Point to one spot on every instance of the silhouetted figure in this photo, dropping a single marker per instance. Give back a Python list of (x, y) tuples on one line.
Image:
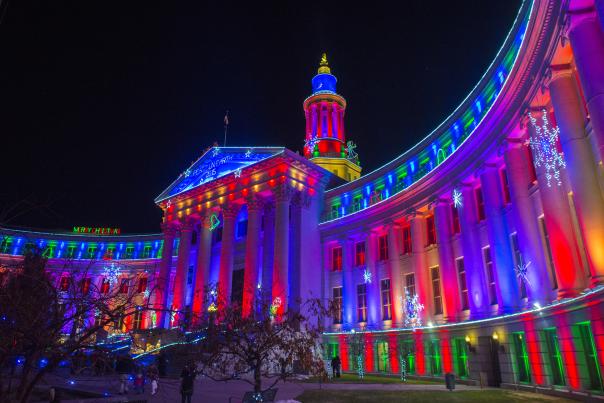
[(187, 377), (335, 365)]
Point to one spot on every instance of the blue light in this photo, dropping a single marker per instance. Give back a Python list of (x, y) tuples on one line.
[(324, 83), (43, 363), (390, 178), (19, 240), (82, 246), (412, 166), (71, 382), (478, 106), (368, 190)]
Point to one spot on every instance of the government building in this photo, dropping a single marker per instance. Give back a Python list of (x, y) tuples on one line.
[(478, 251)]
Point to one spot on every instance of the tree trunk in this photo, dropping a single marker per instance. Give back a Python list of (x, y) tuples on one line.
[(258, 378)]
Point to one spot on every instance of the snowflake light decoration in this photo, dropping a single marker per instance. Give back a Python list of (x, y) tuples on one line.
[(146, 294), (311, 143), (169, 203), (215, 151), (237, 173), (367, 276), (457, 198), (248, 153), (187, 173), (412, 308), (112, 273), (544, 145), (521, 270)]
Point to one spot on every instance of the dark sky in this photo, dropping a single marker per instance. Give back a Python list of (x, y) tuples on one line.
[(104, 103)]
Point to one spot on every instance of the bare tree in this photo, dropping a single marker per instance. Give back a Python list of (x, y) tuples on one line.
[(263, 345), (45, 320)]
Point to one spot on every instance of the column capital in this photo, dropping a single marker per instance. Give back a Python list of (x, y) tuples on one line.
[(254, 203), (301, 199), (515, 143), (168, 229), (282, 193), (484, 167), (187, 224), (230, 210), (413, 214)]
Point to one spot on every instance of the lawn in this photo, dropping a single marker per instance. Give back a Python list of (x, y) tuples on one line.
[(362, 396), (381, 379)]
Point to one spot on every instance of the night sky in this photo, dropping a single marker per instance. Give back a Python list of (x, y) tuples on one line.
[(105, 103)]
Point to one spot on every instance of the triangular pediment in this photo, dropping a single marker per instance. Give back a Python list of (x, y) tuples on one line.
[(216, 163)]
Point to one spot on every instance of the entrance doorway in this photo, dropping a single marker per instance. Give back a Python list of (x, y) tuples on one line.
[(489, 348)]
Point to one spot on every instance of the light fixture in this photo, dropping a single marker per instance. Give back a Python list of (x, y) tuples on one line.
[(467, 339), (495, 336)]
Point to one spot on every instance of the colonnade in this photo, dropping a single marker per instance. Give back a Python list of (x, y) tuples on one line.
[(267, 251), (545, 234)]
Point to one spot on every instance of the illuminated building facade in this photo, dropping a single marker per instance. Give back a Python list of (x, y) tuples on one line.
[(479, 251)]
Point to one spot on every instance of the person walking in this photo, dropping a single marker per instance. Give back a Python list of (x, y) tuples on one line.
[(187, 377), (124, 384), (335, 365), (139, 383)]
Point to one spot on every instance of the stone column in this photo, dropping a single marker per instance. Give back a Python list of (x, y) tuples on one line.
[(300, 201), (268, 251), (252, 250), (446, 260), (559, 225), (202, 271), (182, 268), (581, 168), (472, 250), (420, 268), (508, 297), (525, 218), (281, 260), (227, 250), (396, 282), (349, 289), (163, 280), (373, 289), (587, 42)]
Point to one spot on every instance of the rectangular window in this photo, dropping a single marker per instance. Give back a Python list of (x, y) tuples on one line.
[(147, 252), (548, 248), (110, 252), (64, 283), (336, 258), (463, 286), (105, 286), (91, 252), (408, 355), (49, 252), (85, 283), (431, 230), (407, 245), (434, 354), (410, 284), (359, 255), (554, 357), (479, 204), (334, 211), (356, 204), (522, 360), (382, 356), (438, 303), (461, 357), (241, 228), (129, 252), (488, 264), (590, 356), (337, 300), (383, 247), (362, 302), (518, 261), (505, 186), (137, 321), (455, 218), (5, 246), (386, 299), (124, 286), (142, 285)]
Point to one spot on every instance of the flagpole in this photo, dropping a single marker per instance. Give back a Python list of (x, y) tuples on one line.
[(226, 126)]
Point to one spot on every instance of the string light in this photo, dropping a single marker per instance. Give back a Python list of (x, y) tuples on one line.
[(412, 308), (112, 272), (367, 276)]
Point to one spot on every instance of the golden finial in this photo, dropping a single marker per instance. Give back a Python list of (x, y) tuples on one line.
[(323, 65)]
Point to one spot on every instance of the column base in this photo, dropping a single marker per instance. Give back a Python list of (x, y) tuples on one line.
[(568, 293)]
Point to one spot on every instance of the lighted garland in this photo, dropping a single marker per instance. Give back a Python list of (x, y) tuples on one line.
[(403, 368), (544, 144)]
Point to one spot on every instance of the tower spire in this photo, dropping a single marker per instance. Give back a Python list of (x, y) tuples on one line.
[(324, 65)]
